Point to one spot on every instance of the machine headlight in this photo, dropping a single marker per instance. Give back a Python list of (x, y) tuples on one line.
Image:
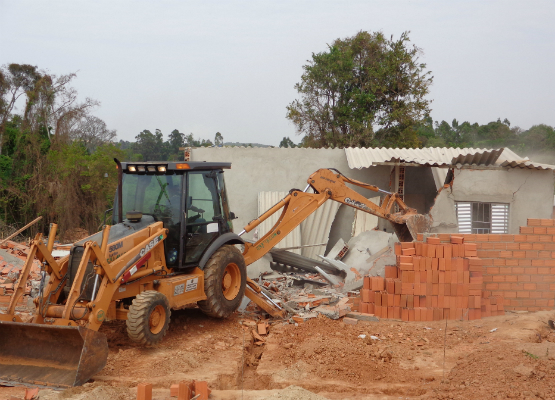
[(151, 168), (161, 168), (132, 168), (141, 168)]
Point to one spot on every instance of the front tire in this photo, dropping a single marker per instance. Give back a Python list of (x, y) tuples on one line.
[(148, 319), (225, 278)]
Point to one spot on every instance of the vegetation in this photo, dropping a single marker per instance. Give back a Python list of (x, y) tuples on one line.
[(365, 90), (538, 142), (54, 155)]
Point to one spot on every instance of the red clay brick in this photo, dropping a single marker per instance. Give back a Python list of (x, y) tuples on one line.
[(201, 388), (538, 262), (547, 222), (539, 230), (526, 230), (546, 238), (533, 222), (526, 246), (507, 238), (524, 262), (522, 294), (144, 391)]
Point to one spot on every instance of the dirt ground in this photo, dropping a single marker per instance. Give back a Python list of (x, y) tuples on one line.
[(510, 356)]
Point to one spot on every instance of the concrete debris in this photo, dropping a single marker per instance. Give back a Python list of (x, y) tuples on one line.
[(362, 316), (303, 263), (339, 250)]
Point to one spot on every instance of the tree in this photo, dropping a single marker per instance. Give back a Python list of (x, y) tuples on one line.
[(218, 140), (206, 143), (286, 142), (92, 132), (366, 90), (175, 141), (150, 145)]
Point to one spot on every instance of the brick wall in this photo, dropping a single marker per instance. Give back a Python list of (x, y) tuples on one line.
[(521, 267)]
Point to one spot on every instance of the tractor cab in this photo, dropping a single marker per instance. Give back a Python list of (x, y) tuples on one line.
[(188, 197)]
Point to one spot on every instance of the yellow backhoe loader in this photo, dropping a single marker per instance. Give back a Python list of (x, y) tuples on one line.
[(171, 244)]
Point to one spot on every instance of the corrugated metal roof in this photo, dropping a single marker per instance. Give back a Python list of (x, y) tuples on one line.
[(267, 200), (510, 159), (364, 221), (316, 229), (439, 157)]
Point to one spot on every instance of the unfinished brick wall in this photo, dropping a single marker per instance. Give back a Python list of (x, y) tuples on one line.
[(520, 268), (431, 281)]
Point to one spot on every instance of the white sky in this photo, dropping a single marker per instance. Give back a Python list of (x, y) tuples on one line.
[(230, 66)]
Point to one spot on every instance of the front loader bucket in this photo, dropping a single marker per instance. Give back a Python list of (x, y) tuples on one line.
[(46, 355)]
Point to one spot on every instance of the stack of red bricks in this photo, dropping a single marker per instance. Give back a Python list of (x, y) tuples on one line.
[(519, 267), (432, 281)]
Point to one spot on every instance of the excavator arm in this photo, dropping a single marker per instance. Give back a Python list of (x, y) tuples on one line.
[(331, 184)]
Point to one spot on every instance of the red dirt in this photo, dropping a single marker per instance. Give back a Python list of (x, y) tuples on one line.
[(329, 358)]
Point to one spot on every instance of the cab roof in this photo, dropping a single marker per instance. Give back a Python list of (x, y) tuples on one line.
[(181, 166)]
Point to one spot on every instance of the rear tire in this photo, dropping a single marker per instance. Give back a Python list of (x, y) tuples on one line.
[(148, 319), (225, 278)]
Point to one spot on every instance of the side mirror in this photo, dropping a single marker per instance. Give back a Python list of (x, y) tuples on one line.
[(232, 215)]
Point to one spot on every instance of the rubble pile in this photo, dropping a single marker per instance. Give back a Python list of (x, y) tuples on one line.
[(15, 255), (432, 281)]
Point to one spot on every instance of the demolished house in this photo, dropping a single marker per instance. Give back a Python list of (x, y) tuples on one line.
[(465, 191)]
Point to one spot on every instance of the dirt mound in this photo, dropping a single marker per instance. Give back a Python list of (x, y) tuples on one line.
[(88, 392), (295, 393), (500, 372)]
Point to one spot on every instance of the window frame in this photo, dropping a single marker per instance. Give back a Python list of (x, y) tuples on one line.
[(499, 217)]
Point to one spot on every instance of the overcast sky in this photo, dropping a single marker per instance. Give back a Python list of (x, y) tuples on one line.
[(231, 66)]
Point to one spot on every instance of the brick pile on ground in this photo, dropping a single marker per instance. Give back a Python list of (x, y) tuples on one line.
[(432, 281), (519, 267)]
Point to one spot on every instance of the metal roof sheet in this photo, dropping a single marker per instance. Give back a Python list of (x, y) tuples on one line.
[(439, 157)]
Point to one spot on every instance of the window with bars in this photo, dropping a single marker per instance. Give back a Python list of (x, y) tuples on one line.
[(475, 217)]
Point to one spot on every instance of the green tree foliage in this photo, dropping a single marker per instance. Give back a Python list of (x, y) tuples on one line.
[(366, 90), (175, 141), (218, 139), (150, 145), (54, 154), (538, 142), (286, 142)]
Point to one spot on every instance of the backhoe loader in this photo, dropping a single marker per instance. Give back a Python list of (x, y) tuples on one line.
[(171, 244)]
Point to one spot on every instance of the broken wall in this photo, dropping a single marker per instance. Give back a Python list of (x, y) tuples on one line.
[(529, 193)]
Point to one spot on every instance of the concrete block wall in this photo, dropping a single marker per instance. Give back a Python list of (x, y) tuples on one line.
[(519, 267)]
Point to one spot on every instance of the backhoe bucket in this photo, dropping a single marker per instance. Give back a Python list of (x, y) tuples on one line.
[(414, 224), (47, 355)]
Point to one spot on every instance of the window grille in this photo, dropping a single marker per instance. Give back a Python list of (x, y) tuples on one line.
[(475, 217)]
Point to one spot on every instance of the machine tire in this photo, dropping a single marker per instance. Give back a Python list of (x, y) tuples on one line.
[(225, 278), (148, 319)]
